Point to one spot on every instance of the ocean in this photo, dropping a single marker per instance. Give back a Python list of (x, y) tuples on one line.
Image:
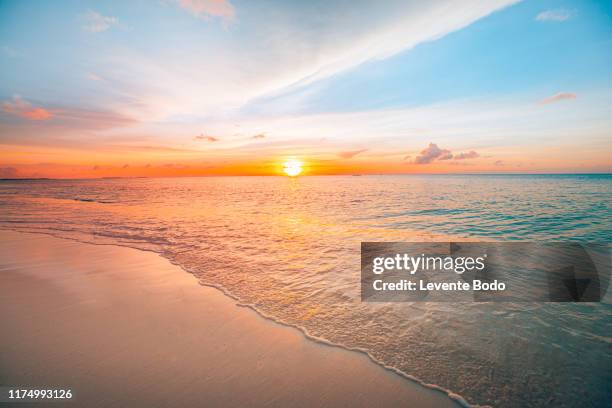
[(290, 249)]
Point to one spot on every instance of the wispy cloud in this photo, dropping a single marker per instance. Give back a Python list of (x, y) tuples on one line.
[(259, 136), (24, 109), (351, 153), (305, 45), (557, 15), (96, 22), (148, 149), (78, 118), (206, 9), (411, 25), (467, 155), (561, 96), (207, 138)]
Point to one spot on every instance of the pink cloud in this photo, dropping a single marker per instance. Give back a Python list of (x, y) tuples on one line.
[(433, 152), (207, 8), (468, 155), (561, 96), (91, 119), (24, 109), (207, 138), (259, 136), (351, 153)]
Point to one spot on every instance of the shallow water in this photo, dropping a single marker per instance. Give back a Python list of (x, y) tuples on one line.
[(290, 248)]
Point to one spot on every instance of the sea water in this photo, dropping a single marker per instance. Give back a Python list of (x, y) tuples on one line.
[(290, 248)]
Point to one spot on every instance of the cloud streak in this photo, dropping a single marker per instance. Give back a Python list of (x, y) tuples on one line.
[(97, 23), (351, 153), (413, 24), (557, 15), (206, 138), (468, 155), (558, 97), (25, 110), (228, 72), (206, 9)]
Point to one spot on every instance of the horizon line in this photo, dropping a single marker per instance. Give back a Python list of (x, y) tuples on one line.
[(318, 175)]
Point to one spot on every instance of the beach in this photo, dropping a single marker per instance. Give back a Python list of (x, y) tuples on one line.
[(123, 327)]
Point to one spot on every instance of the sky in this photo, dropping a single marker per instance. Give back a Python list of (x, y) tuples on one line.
[(228, 87)]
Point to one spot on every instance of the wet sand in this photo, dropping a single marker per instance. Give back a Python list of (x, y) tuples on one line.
[(123, 327)]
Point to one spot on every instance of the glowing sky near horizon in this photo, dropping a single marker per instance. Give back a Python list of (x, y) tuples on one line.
[(214, 87)]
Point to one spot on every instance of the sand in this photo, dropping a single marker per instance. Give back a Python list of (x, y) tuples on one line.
[(126, 328)]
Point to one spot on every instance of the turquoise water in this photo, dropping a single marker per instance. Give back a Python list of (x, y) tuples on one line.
[(290, 249)]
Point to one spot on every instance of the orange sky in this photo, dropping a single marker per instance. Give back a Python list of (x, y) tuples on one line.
[(151, 162)]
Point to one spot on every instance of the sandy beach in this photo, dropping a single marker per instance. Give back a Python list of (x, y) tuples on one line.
[(123, 327)]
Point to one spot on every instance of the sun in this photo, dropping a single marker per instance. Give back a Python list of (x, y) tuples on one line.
[(292, 168)]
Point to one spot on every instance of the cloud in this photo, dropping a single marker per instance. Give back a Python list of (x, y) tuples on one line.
[(259, 136), (433, 152), (557, 15), (207, 138), (406, 25), (209, 8), (90, 119), (210, 78), (558, 97), (468, 155), (24, 109), (94, 77), (36, 114), (96, 22), (8, 172), (150, 149), (498, 163), (351, 153)]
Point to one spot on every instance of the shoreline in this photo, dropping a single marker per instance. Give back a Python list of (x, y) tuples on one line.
[(391, 386)]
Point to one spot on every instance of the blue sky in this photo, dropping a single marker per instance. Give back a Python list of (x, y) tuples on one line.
[(505, 54), (526, 85)]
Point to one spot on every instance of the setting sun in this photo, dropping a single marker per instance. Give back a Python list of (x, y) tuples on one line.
[(292, 168)]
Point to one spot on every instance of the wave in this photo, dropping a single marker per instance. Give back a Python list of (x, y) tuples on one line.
[(320, 340)]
